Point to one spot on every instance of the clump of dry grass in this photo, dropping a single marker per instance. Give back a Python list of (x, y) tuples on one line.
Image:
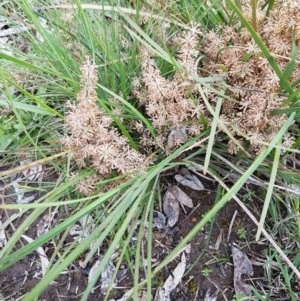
[(93, 139)]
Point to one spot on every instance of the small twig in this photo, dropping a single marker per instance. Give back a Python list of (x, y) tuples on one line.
[(231, 225)]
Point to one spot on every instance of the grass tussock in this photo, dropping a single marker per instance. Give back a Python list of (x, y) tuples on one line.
[(92, 139), (135, 94)]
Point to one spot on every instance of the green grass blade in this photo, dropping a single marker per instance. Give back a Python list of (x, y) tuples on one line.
[(87, 28), (213, 130), (131, 213), (290, 67), (132, 109), (138, 249), (270, 190), (220, 123), (62, 58), (270, 5), (33, 97), (150, 208), (8, 260), (23, 63), (105, 228), (139, 34), (261, 45), (27, 108)]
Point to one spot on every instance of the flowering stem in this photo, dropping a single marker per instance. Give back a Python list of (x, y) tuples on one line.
[(254, 21)]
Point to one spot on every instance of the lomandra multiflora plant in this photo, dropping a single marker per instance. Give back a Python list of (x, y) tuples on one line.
[(252, 82), (174, 103), (92, 138)]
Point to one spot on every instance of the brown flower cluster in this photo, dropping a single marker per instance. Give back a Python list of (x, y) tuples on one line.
[(172, 104), (93, 139), (254, 84)]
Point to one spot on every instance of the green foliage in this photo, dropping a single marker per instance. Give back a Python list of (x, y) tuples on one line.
[(206, 272), (36, 88)]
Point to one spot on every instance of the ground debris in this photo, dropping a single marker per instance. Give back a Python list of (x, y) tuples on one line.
[(35, 173), (181, 196), (210, 296), (42, 254), (187, 179), (46, 222), (242, 266), (159, 221), (172, 198), (171, 208), (82, 229), (163, 293), (107, 277), (3, 240), (177, 137)]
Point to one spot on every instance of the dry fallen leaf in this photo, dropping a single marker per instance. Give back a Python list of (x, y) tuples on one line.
[(211, 296), (43, 257), (81, 231), (46, 222), (181, 196), (177, 137), (20, 192), (3, 240), (171, 208), (295, 189), (107, 276), (159, 221), (172, 198), (93, 271), (163, 293), (189, 180), (242, 266), (43, 23), (36, 173), (33, 173)]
